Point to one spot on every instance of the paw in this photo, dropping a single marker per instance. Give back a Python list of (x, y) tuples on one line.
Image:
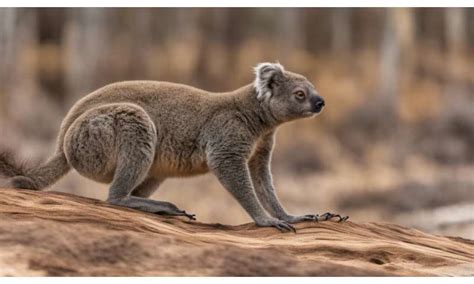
[(303, 218), (176, 212), (190, 216), (328, 216), (281, 225), (23, 182)]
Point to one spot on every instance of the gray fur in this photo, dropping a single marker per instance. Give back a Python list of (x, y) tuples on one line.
[(9, 167), (27, 176), (263, 75), (136, 134)]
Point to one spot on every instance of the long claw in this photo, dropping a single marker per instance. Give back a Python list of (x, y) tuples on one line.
[(289, 227), (285, 227), (281, 228), (329, 215), (293, 228), (311, 217), (336, 216), (190, 216), (343, 219), (326, 216)]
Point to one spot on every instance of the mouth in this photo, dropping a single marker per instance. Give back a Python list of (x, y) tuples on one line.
[(310, 113), (314, 111), (317, 109)]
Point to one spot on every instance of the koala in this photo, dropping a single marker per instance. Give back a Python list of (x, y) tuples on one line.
[(135, 134)]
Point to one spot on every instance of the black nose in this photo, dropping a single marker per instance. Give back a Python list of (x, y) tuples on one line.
[(320, 103)]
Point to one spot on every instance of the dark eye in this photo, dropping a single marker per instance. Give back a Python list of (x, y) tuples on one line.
[(300, 95)]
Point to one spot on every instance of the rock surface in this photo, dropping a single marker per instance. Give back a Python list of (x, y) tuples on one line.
[(51, 233)]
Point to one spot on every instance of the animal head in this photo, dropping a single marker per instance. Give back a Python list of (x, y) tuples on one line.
[(288, 95)]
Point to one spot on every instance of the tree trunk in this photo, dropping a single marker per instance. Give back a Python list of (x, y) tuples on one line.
[(290, 32), (390, 58), (455, 24), (86, 50), (8, 18), (341, 31)]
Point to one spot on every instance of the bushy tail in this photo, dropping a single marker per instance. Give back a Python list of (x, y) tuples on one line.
[(20, 175)]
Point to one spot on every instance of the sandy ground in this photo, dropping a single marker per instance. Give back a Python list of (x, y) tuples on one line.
[(50, 233)]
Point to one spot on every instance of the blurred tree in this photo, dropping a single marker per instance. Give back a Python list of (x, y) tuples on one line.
[(55, 56), (456, 41), (86, 50), (455, 29), (50, 60), (341, 31), (8, 42), (140, 41), (390, 59), (289, 32)]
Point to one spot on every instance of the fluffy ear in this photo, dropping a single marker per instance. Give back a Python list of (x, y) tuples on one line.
[(264, 74)]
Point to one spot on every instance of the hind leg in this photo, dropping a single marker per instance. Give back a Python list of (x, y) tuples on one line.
[(152, 206), (136, 139), (147, 187), (138, 200), (116, 143)]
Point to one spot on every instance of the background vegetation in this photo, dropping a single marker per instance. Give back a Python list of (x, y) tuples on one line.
[(395, 142)]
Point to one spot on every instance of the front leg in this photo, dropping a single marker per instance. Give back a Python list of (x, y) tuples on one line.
[(259, 165), (233, 173)]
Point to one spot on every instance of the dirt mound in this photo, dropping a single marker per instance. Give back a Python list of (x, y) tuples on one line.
[(50, 233)]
